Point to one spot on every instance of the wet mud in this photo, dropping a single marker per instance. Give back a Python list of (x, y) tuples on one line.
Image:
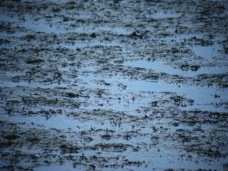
[(113, 85)]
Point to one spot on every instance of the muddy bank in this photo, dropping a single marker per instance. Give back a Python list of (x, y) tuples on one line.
[(104, 85)]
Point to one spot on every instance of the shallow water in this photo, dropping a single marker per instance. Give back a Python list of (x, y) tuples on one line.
[(60, 167), (203, 96), (108, 107), (207, 52), (163, 15), (155, 162), (160, 66)]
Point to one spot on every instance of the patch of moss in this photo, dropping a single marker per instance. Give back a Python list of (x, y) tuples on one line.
[(72, 95), (63, 146), (11, 137), (69, 148), (56, 9), (177, 98), (204, 151), (33, 139), (184, 138), (6, 144), (30, 37), (29, 8), (35, 61), (106, 136), (190, 122), (112, 145), (71, 3)]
